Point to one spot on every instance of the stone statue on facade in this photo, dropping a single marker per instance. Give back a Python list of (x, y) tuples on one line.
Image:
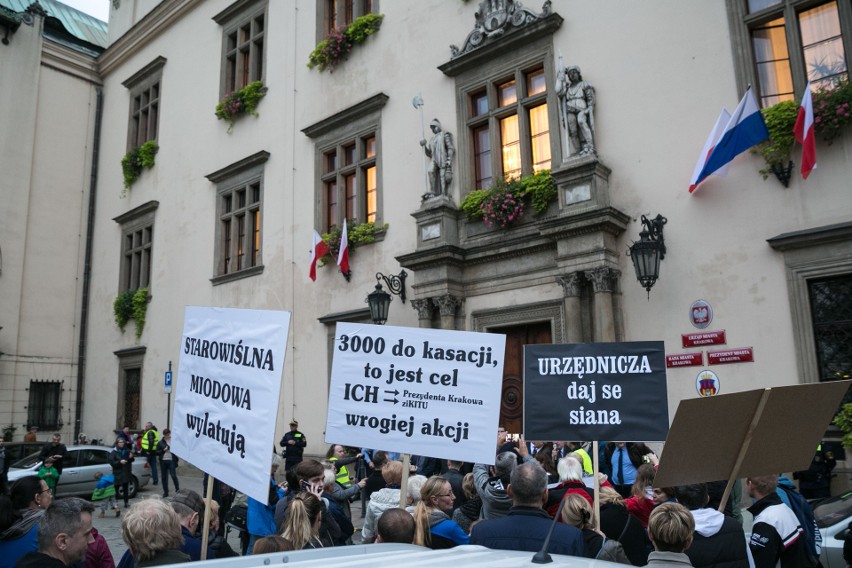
[(441, 150), (577, 106)]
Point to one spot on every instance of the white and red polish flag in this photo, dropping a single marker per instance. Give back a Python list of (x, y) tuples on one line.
[(804, 132), (318, 250), (343, 255)]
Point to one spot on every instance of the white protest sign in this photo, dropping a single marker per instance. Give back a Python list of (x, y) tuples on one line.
[(226, 393), (421, 391)]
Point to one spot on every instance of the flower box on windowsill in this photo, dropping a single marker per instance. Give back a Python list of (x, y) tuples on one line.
[(335, 48), (240, 103), (135, 160)]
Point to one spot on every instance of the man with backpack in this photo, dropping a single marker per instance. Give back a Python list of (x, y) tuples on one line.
[(802, 509), (777, 538)]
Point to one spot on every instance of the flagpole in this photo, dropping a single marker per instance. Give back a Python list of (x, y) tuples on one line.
[(418, 104)]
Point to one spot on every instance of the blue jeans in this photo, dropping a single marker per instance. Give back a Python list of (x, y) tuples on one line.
[(167, 468), (152, 463)]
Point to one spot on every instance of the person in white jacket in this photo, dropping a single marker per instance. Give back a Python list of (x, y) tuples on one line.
[(382, 500)]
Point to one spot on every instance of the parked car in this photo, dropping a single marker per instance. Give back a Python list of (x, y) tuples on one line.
[(79, 468), (16, 451), (833, 516)]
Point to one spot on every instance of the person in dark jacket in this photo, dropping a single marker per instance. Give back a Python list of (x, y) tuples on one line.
[(151, 529), (63, 535), (294, 443), (121, 459), (54, 449), (527, 524), (618, 524), (718, 540)]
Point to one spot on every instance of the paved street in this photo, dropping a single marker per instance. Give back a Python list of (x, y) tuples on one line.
[(190, 478)]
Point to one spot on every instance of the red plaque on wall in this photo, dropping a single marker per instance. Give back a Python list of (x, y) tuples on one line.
[(685, 360), (703, 338), (741, 355)]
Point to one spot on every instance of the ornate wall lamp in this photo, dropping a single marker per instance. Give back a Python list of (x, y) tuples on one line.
[(379, 300), (649, 251)]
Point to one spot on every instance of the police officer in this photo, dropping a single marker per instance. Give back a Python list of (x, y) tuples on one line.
[(294, 443), (149, 449)]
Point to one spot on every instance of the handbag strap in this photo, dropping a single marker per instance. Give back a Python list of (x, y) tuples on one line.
[(624, 530)]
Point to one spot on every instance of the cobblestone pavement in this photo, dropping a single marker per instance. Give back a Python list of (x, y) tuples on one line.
[(110, 526)]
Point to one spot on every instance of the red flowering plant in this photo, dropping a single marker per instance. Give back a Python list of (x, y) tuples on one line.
[(503, 205), (337, 46), (506, 202), (241, 102), (832, 111)]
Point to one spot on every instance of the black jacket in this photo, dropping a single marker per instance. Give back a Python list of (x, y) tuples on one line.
[(725, 549)]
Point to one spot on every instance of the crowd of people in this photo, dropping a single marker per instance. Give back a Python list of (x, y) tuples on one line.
[(510, 505)]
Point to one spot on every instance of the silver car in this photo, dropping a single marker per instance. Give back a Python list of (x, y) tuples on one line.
[(79, 467), (832, 517)]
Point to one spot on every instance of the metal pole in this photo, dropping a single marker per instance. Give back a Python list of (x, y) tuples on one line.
[(418, 104), (169, 404)]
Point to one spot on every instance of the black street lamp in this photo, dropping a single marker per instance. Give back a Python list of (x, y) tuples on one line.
[(649, 251), (379, 300)]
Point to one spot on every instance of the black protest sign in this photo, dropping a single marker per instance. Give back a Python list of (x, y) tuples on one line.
[(596, 391)]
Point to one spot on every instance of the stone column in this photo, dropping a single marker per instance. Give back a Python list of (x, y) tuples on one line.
[(447, 304), (603, 280), (424, 309), (571, 285)]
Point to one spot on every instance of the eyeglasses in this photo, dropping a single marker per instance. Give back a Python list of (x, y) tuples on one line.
[(450, 494), (49, 491)]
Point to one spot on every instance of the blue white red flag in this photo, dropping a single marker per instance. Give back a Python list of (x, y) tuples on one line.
[(712, 140), (745, 129), (803, 131)]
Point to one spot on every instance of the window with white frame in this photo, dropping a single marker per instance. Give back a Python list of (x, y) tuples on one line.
[(783, 44), (145, 90), (243, 44), (137, 242), (239, 207), (349, 164)]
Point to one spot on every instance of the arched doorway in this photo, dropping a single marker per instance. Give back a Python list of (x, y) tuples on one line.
[(512, 398)]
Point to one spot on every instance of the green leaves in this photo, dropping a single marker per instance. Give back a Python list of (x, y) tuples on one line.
[(335, 48), (136, 159), (538, 190), (132, 304), (241, 102)]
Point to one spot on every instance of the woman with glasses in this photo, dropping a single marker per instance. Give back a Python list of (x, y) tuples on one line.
[(433, 526), (20, 514)]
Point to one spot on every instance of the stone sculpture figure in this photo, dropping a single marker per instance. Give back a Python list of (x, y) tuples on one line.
[(440, 149), (577, 104)]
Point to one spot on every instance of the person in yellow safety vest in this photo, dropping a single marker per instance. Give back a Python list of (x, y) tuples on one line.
[(149, 449), (587, 461), (336, 454)]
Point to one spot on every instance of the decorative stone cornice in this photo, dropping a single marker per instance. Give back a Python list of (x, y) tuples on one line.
[(447, 304), (603, 279), (571, 284), (424, 308), (496, 18), (481, 47), (155, 22), (367, 106), (70, 61)]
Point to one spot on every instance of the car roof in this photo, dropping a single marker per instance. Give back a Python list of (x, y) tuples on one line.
[(409, 555)]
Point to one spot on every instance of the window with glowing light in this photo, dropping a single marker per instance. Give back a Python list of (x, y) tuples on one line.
[(786, 43), (511, 114)]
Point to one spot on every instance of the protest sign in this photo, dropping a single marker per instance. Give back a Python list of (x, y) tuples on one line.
[(596, 391), (411, 390), (226, 394)]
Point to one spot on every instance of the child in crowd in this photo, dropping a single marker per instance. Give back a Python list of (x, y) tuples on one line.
[(641, 500), (49, 474), (105, 493)]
